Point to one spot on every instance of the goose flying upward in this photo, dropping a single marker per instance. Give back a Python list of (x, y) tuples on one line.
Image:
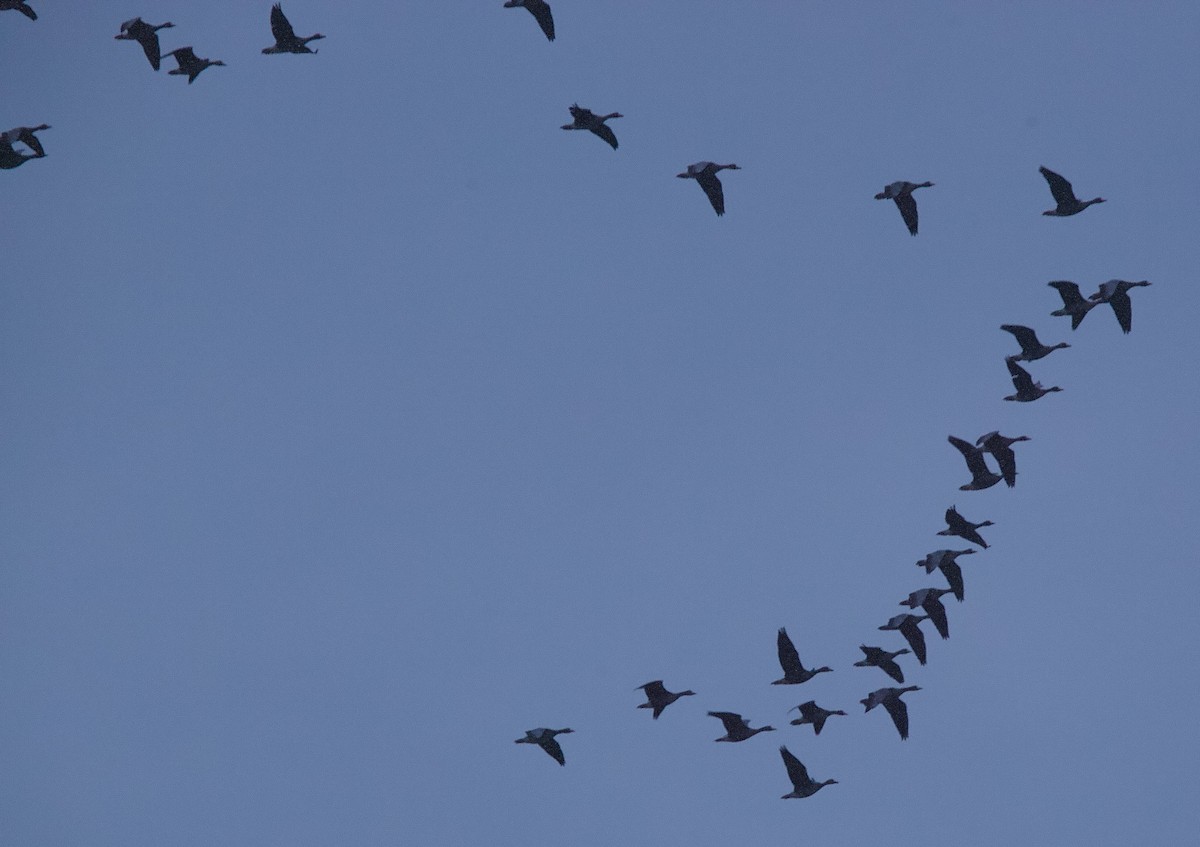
[(794, 671), (286, 40), (658, 697), (802, 784), (811, 713), (1064, 196), (981, 475), (956, 524), (1027, 389), (737, 729), (1031, 348)]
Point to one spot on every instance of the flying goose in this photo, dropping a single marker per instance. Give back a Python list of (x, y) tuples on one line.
[(737, 729), (794, 672), (889, 698), (136, 29), (19, 5), (1027, 389), (811, 713), (589, 120), (1000, 446), (944, 561), (25, 134), (189, 64), (1064, 196), (802, 784), (658, 697), (1115, 293), (1031, 348), (929, 599), (908, 626), (540, 9), (544, 738), (885, 660), (981, 476), (285, 37), (963, 528), (901, 192), (705, 173), (1074, 306)]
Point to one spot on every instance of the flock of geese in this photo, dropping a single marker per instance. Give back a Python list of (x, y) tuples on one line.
[(928, 600)]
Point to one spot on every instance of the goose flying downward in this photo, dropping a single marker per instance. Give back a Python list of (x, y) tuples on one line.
[(981, 476), (1027, 389), (19, 6), (901, 192), (189, 64), (540, 10), (1074, 306), (286, 40), (1031, 348), (705, 173), (1115, 293), (889, 698), (794, 671), (136, 29), (544, 738), (1000, 446), (589, 120), (658, 697), (737, 729), (811, 713), (944, 561), (25, 135), (885, 660), (1064, 196), (956, 524), (908, 626), (929, 599), (802, 785)]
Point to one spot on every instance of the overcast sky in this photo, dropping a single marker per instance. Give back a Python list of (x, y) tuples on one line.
[(355, 419)]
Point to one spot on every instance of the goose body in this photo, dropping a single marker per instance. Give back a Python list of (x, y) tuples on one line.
[(889, 698), (802, 784), (540, 10), (1026, 389), (589, 120), (1000, 446), (901, 193), (813, 714), (885, 660), (981, 475), (1074, 306), (136, 29), (1031, 348), (705, 173), (18, 6), (286, 40), (190, 64), (956, 524), (544, 738), (25, 135), (908, 626), (945, 561), (794, 671), (929, 599), (737, 729), (658, 697), (1115, 293), (1064, 196)]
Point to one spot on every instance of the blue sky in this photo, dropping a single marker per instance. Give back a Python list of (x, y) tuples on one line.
[(357, 419)]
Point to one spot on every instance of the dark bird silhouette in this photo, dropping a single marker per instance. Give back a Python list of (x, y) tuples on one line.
[(136, 29), (794, 671), (589, 120), (956, 524), (908, 626), (25, 135), (10, 158), (1031, 348), (737, 729), (802, 784), (658, 697), (929, 599), (540, 9), (189, 64), (544, 738), (944, 561), (885, 660), (889, 698), (1000, 447), (1074, 306), (811, 713), (1064, 196), (286, 40), (981, 475), (901, 192), (705, 173), (1115, 293), (20, 6), (1026, 389)]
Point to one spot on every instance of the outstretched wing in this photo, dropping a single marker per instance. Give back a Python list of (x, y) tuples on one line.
[(545, 20), (607, 134), (551, 746), (281, 27), (1059, 187), (732, 720), (789, 659), (712, 187), (1021, 379), (972, 454), (908, 210), (1025, 336), (899, 713), (797, 773)]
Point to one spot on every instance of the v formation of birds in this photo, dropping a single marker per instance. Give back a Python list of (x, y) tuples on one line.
[(928, 600)]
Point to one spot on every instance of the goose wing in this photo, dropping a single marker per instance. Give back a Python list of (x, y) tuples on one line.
[(148, 38), (1025, 336), (541, 11), (281, 27), (908, 210), (712, 187), (789, 659), (550, 744), (184, 56), (654, 690), (605, 133), (1064, 195), (937, 613), (1122, 307), (953, 573), (797, 773), (911, 631), (899, 713), (974, 456), (1021, 379), (732, 720)]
